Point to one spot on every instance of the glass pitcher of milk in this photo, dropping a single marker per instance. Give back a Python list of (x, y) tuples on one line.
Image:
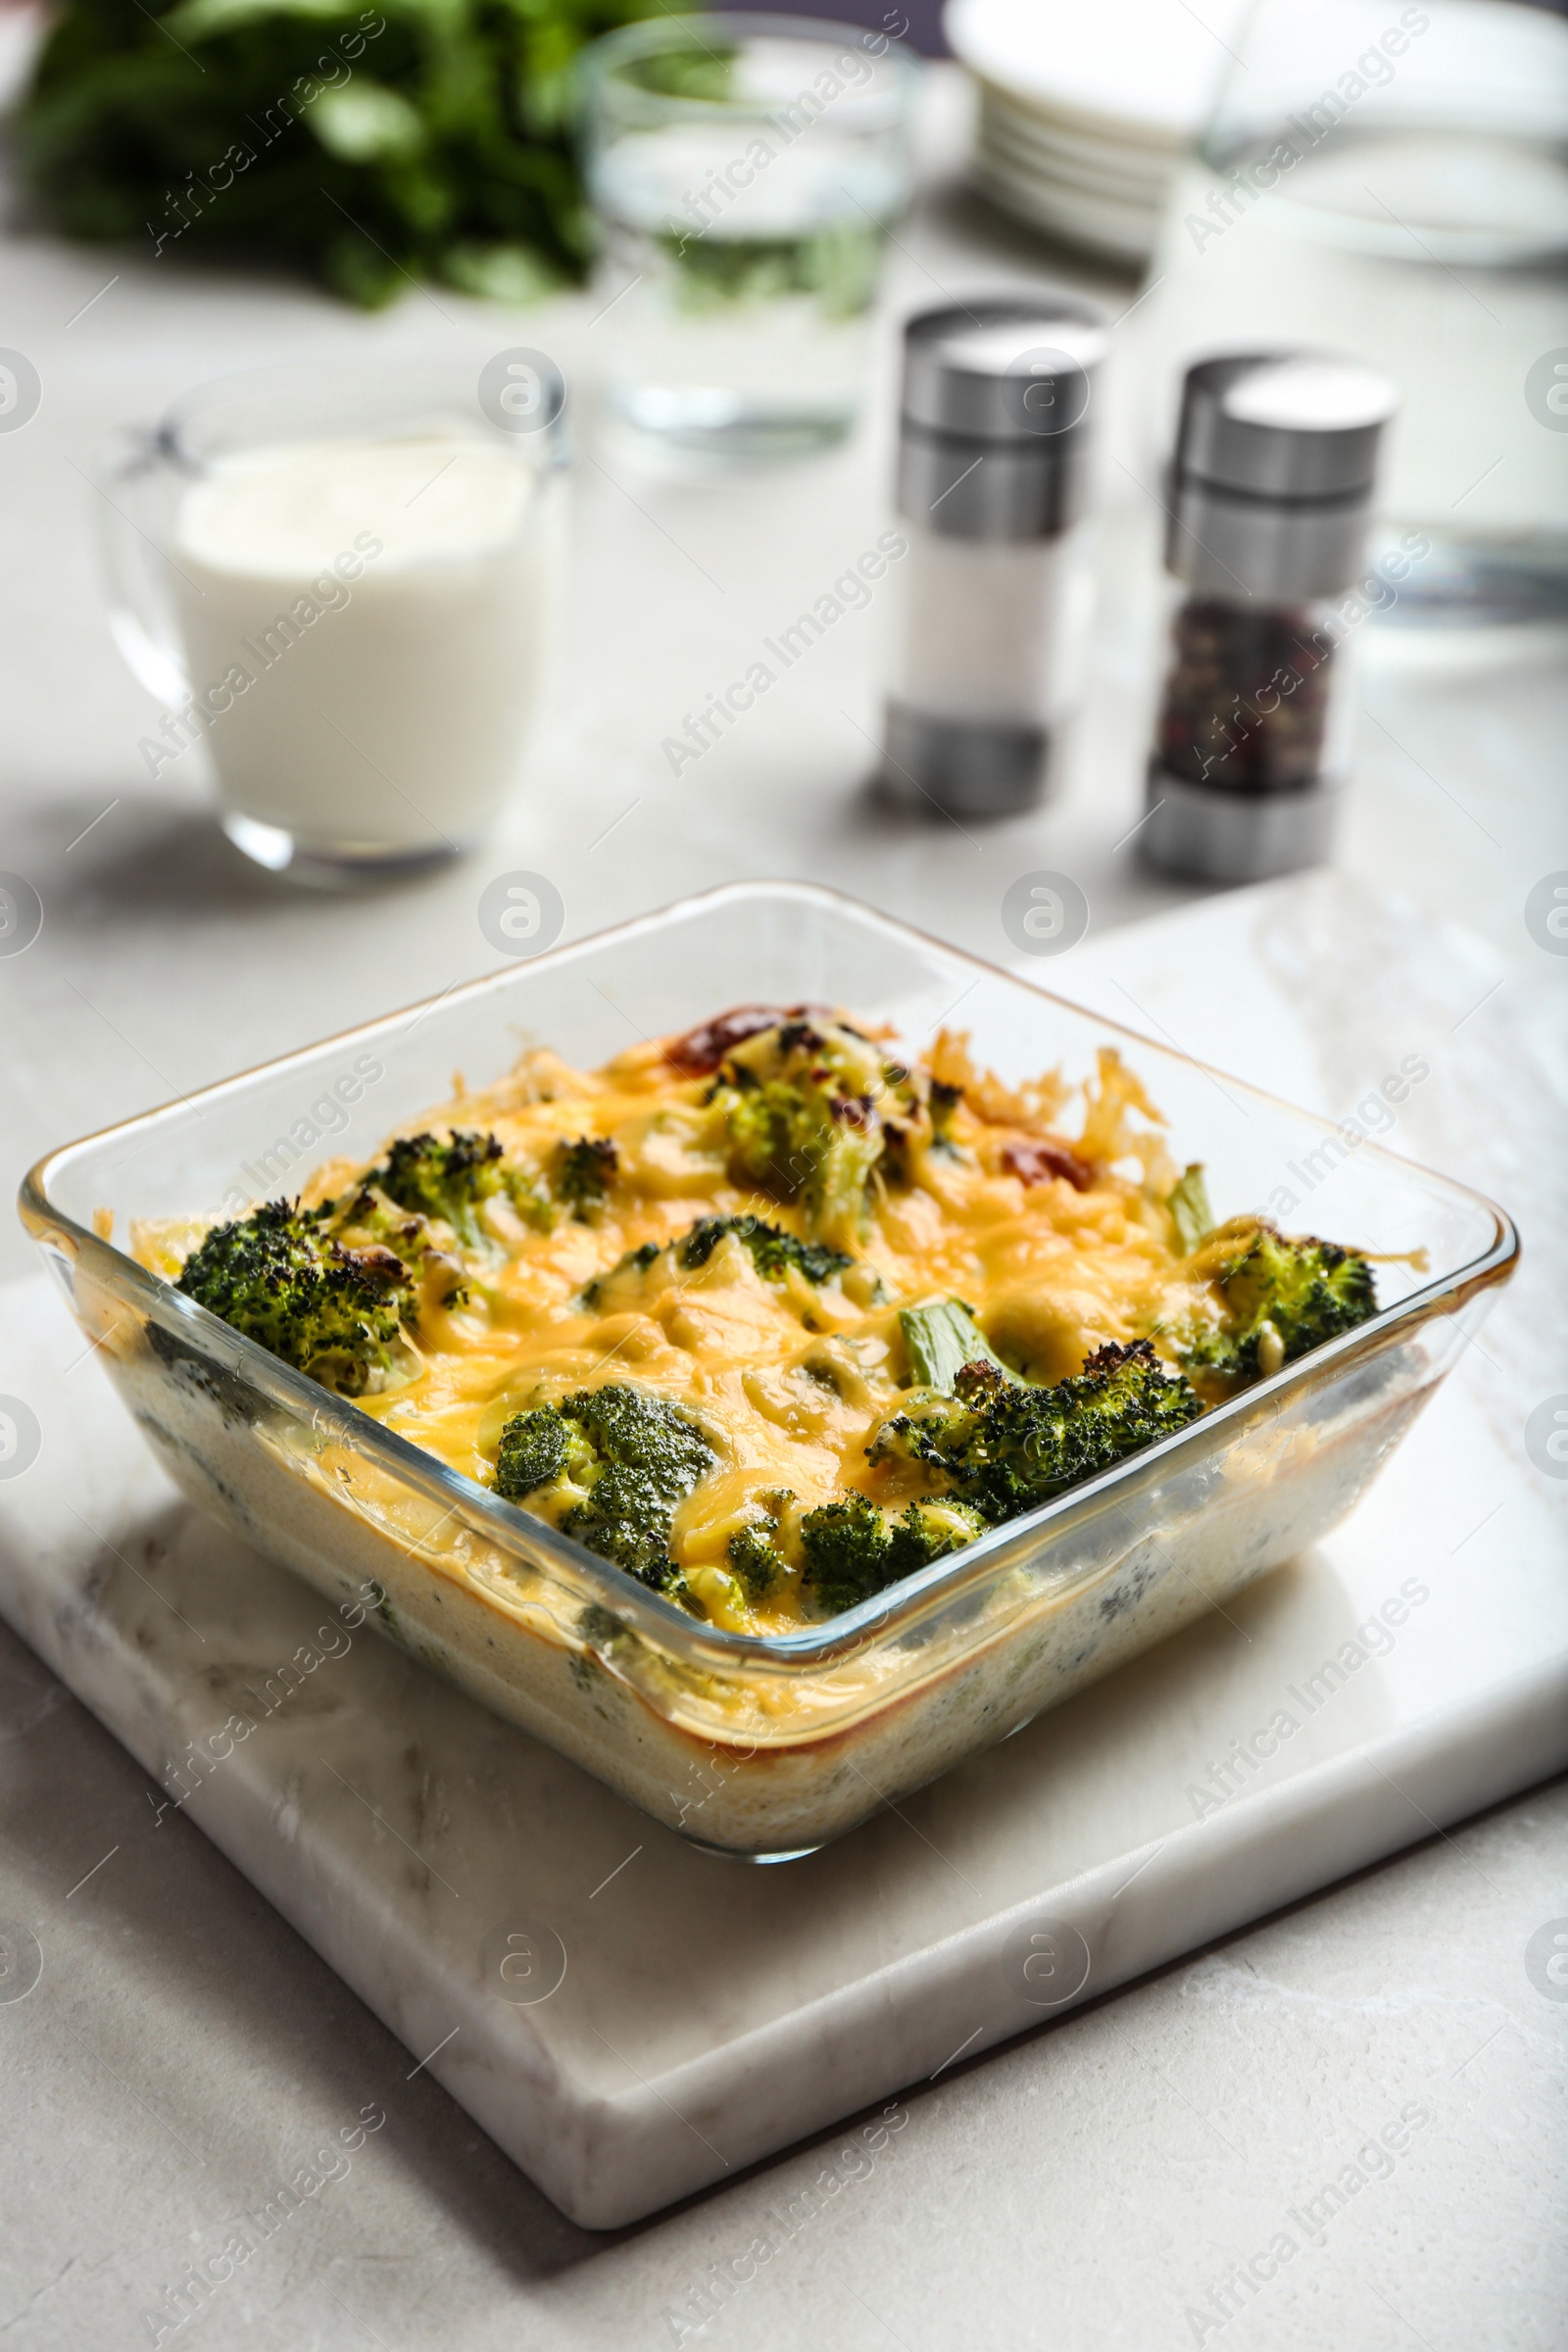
[(337, 582)]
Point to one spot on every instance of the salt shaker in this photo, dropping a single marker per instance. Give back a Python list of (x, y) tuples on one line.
[(1270, 495), (995, 593)]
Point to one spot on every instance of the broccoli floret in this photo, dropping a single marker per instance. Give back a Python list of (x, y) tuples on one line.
[(627, 1522), (929, 1529), (609, 1465), (802, 1108), (854, 1549), (845, 1545), (774, 1252), (755, 1559), (807, 1143), (584, 1171), (1005, 1448), (280, 1277), (535, 1447), (1282, 1297), (843, 1157), (754, 1552), (447, 1180)]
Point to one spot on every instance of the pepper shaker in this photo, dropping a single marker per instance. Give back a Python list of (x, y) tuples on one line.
[(1269, 498), (995, 593)]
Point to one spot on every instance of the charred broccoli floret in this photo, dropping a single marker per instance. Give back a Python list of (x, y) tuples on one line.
[(1282, 1297), (803, 1106), (609, 1466), (583, 1173), (1005, 1448), (854, 1549), (280, 1277)]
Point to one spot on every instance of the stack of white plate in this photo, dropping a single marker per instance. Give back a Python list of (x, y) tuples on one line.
[(1084, 111)]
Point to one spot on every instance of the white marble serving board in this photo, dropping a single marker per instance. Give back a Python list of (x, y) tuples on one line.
[(711, 2013)]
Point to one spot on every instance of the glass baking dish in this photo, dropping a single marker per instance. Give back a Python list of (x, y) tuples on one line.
[(756, 1746)]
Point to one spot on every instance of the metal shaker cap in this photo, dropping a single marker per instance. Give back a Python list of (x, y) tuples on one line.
[(1272, 478), (1010, 368), (994, 422), (1284, 424)]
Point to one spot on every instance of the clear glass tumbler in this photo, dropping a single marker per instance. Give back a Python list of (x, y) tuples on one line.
[(1391, 182), (337, 579), (745, 171)]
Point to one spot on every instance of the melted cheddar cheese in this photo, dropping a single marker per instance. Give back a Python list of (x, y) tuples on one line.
[(1057, 1247)]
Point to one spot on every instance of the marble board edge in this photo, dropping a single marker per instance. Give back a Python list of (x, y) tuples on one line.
[(607, 2162)]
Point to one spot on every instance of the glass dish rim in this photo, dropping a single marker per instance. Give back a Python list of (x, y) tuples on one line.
[(707, 1646)]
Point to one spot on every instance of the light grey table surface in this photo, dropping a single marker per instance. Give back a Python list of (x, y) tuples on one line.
[(1090, 2184)]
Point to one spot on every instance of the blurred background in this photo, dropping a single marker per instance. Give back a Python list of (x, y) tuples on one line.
[(390, 205)]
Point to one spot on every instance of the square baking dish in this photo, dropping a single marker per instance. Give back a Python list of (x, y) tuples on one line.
[(761, 1748)]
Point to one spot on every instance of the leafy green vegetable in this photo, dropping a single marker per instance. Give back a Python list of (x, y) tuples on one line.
[(370, 146)]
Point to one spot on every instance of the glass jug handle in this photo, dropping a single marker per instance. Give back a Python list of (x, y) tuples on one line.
[(132, 479)]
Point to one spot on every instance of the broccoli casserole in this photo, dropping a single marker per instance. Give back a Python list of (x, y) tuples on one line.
[(765, 1314)]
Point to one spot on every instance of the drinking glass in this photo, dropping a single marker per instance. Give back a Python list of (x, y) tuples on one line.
[(1391, 181), (745, 171), (337, 578)]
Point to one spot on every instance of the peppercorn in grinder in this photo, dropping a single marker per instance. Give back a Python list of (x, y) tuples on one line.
[(1269, 498)]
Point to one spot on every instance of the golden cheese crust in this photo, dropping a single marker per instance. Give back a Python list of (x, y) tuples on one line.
[(1057, 1244)]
